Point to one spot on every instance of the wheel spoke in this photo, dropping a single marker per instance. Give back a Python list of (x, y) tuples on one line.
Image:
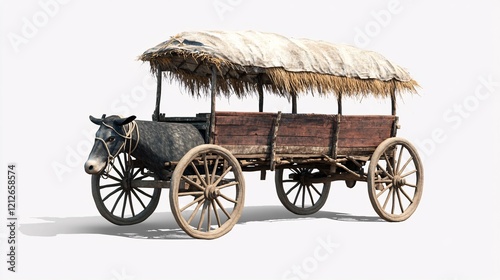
[(410, 185), (198, 175), (216, 214), (207, 173), (209, 217), (290, 190), (190, 193), (393, 200), (382, 191), (234, 183), (382, 181), (109, 185), (139, 199), (383, 170), (400, 203), (124, 204), (202, 216), (228, 198), (114, 178), (229, 168), (144, 193), (408, 173), (121, 164), (316, 190), (193, 183), (389, 165), (387, 198), (222, 208), (136, 173), (406, 195), (310, 194), (191, 203), (297, 195), (116, 202), (406, 164), (214, 170), (303, 196), (117, 171), (112, 193), (131, 205), (195, 211), (399, 159)]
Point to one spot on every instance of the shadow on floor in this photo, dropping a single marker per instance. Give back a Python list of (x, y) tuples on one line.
[(163, 225)]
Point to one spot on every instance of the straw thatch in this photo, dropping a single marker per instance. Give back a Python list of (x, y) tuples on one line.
[(245, 60)]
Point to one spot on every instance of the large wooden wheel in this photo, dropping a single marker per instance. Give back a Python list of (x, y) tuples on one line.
[(395, 179), (207, 192), (300, 191), (118, 195)]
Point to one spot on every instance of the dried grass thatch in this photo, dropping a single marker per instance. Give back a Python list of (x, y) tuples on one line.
[(284, 66)]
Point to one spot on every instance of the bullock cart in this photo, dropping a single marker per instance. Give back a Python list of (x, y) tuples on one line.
[(306, 151)]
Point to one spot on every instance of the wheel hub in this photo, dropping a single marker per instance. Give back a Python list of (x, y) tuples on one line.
[(397, 181), (126, 183), (211, 192)]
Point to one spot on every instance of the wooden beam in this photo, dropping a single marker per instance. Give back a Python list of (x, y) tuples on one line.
[(393, 103), (261, 93), (339, 104), (212, 107), (156, 113), (294, 102)]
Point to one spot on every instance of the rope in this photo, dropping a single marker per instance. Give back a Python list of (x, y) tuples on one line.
[(129, 130)]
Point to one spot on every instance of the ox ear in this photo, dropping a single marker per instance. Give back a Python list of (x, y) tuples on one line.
[(96, 120), (123, 121)]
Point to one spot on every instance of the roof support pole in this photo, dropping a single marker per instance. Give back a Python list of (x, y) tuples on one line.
[(393, 103), (156, 113), (339, 103), (294, 102), (213, 92), (261, 93)]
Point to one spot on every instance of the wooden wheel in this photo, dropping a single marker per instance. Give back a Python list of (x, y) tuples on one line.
[(119, 199), (298, 191), (207, 192), (395, 179)]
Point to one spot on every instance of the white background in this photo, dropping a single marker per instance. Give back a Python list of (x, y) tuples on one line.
[(64, 60)]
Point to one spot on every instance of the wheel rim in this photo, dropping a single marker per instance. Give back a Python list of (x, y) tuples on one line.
[(395, 180), (115, 197), (298, 192), (207, 192)]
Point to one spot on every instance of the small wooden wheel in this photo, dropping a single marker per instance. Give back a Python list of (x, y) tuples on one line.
[(118, 199), (207, 192), (298, 190), (395, 179)]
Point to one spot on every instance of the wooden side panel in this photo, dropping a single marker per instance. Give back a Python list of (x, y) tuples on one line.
[(364, 131), (246, 129), (301, 134)]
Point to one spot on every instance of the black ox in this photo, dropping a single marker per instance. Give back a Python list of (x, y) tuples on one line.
[(154, 143)]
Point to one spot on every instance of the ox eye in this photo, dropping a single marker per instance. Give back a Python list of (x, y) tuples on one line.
[(110, 139)]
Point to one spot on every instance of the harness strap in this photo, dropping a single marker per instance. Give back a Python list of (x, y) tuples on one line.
[(129, 130)]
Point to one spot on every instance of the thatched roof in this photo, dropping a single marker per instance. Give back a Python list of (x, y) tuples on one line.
[(282, 65)]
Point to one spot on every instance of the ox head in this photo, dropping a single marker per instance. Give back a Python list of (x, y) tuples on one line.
[(109, 142)]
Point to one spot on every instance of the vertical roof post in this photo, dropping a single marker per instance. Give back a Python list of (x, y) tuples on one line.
[(393, 102), (156, 113), (339, 103), (261, 93), (213, 89)]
